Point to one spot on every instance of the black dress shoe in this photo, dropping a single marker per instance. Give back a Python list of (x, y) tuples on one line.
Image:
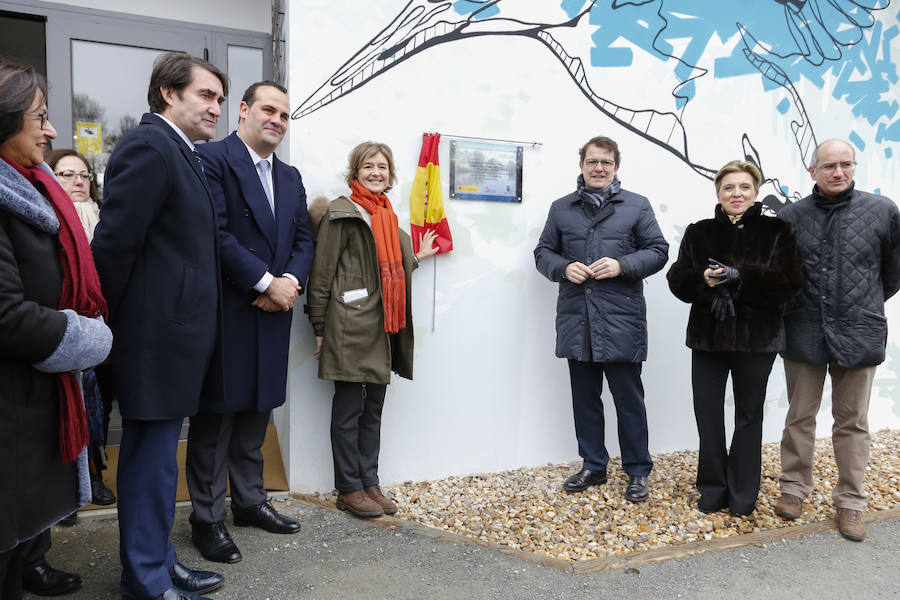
[(195, 580), (637, 490), (173, 593), (265, 517), (584, 479), (43, 580), (214, 542), (100, 494)]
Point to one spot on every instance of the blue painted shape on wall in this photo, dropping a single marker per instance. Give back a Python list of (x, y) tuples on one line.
[(857, 141), (783, 106), (465, 7), (824, 40)]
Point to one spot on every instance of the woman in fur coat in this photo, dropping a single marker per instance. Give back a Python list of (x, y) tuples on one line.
[(736, 270)]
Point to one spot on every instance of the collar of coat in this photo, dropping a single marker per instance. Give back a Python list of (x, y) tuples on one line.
[(342, 208), (755, 211), (19, 197)]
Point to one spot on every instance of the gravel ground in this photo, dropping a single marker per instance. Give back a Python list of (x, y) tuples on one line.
[(527, 509)]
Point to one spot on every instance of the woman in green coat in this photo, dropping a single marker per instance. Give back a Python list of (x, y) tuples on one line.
[(359, 304)]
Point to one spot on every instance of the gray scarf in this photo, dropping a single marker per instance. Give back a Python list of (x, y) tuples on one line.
[(598, 198)]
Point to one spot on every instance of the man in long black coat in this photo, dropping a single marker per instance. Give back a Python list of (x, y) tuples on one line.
[(156, 250), (267, 251)]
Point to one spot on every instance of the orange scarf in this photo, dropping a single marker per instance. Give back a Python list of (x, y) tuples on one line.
[(390, 258)]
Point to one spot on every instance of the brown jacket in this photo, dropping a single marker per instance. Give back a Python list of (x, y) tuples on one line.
[(355, 346)]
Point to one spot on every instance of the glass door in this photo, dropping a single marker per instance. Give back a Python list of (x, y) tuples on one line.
[(102, 113)]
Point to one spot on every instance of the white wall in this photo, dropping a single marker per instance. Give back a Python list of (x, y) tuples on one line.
[(254, 15), (489, 393)]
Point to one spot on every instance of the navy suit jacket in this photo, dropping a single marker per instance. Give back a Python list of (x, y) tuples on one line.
[(156, 251), (254, 241)]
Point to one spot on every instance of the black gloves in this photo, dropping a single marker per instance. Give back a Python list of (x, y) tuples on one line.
[(729, 276), (722, 305)]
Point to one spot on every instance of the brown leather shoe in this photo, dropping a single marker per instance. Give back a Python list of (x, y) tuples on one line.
[(851, 525), (388, 505), (789, 507), (359, 504)]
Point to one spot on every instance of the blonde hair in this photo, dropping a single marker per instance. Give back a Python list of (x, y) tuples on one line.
[(365, 151), (739, 166)]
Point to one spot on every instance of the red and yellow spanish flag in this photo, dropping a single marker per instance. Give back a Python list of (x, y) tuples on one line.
[(427, 203)]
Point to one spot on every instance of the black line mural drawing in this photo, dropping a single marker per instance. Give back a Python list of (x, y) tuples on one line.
[(820, 35)]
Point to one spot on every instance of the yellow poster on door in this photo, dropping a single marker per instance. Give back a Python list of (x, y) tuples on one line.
[(89, 136)]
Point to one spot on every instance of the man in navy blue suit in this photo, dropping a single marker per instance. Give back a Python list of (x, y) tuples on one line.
[(267, 250), (157, 254)]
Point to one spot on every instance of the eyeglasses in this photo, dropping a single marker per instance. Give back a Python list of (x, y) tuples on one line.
[(41, 115), (832, 167), (606, 164), (70, 175)]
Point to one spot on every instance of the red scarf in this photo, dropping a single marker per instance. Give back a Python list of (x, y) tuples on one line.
[(80, 292), (385, 228)]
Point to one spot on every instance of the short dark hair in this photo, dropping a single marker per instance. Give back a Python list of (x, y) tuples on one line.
[(175, 70), (601, 141), (19, 84), (250, 94), (54, 156)]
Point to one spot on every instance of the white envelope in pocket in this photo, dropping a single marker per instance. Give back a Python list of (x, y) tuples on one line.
[(351, 295)]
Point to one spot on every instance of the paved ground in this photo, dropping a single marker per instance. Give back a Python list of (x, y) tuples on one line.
[(336, 556)]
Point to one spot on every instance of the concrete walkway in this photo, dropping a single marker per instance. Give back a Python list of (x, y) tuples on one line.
[(337, 556)]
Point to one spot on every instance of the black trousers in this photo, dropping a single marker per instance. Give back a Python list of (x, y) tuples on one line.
[(33, 550), (356, 434), (225, 443), (13, 562), (730, 477), (624, 381)]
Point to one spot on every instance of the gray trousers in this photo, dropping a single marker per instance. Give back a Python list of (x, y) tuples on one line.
[(356, 434), (221, 445), (850, 391)]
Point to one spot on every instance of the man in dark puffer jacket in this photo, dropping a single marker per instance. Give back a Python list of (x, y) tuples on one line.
[(850, 245), (599, 243)]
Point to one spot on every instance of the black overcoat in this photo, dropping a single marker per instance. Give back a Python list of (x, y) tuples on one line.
[(156, 250), (37, 488)]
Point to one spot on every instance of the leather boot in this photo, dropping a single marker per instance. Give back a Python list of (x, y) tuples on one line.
[(851, 525), (100, 494), (387, 505), (359, 504)]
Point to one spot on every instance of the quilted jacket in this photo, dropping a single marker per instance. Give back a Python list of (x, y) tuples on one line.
[(602, 320), (851, 265)]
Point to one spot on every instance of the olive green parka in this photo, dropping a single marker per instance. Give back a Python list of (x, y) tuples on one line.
[(355, 346)]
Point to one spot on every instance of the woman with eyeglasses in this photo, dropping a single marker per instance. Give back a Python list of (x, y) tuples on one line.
[(75, 174), (736, 270), (76, 177), (51, 327)]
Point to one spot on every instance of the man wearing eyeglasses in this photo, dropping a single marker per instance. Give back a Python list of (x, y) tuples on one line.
[(599, 243), (849, 241)]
